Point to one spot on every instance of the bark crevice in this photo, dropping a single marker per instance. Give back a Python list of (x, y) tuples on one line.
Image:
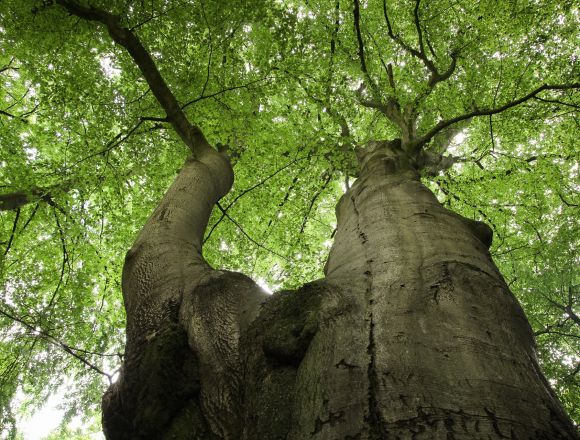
[(372, 415)]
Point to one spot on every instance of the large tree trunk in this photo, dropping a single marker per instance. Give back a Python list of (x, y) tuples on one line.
[(184, 321), (413, 333)]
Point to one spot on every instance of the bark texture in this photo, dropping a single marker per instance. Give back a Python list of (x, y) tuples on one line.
[(412, 334), (181, 375)]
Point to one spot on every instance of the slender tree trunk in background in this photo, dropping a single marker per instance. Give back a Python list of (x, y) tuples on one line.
[(413, 333)]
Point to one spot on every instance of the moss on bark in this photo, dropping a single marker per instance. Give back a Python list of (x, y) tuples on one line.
[(165, 381), (273, 348)]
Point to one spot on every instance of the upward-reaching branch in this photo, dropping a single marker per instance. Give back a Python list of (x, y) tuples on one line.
[(419, 54), (191, 135), (361, 50), (391, 108), (436, 76), (418, 27)]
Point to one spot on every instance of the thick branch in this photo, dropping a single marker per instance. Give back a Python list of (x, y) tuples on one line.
[(361, 49), (17, 199), (491, 111), (418, 27), (436, 76), (189, 133), (440, 77), (419, 54), (392, 111), (398, 39)]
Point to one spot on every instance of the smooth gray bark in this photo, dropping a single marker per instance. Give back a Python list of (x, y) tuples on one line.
[(412, 334)]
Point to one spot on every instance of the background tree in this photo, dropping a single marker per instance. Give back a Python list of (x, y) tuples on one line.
[(87, 152)]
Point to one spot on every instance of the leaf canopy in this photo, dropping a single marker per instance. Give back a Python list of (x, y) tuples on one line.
[(291, 87)]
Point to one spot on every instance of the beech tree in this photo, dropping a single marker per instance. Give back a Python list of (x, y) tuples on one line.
[(195, 145)]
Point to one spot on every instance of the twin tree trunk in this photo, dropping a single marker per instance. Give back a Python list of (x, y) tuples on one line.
[(412, 334)]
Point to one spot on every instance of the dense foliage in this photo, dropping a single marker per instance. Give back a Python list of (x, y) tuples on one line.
[(289, 87)]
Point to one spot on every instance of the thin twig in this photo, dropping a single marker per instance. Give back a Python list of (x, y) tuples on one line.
[(555, 101), (246, 191), (313, 200), (565, 201), (56, 342), (210, 51), (227, 89), (65, 260), (247, 235)]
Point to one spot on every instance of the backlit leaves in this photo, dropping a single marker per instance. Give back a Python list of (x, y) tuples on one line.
[(277, 82)]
